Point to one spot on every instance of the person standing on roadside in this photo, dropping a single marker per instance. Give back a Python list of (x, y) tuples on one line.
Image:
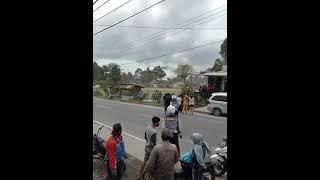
[(179, 99), (174, 102), (114, 158), (166, 101), (162, 159), (200, 154), (150, 136), (185, 104), (173, 123), (191, 104)]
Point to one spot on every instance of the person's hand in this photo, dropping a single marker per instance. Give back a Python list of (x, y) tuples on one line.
[(180, 135), (114, 172)]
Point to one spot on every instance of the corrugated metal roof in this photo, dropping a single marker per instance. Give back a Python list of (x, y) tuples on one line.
[(219, 73), (127, 86)]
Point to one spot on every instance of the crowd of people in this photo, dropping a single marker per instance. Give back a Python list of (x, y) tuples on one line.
[(157, 96), (160, 158), (206, 90), (182, 103)]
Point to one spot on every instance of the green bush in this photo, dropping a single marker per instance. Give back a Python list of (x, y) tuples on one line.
[(200, 101), (186, 90)]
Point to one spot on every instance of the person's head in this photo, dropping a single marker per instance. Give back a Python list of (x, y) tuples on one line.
[(191, 96), (156, 121), (171, 110), (173, 97), (166, 134), (116, 129), (197, 138)]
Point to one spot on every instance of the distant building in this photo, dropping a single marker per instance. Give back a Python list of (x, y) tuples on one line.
[(126, 89), (218, 79)]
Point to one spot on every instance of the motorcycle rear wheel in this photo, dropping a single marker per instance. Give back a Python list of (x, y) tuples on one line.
[(220, 169)]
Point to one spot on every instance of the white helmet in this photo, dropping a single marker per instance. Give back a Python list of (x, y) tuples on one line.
[(173, 97), (171, 109)]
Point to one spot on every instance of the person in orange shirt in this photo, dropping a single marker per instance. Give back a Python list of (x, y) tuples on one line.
[(185, 104)]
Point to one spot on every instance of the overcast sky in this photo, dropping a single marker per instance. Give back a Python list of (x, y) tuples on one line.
[(166, 14)]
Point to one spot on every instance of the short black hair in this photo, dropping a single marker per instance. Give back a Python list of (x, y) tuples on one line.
[(155, 119), (116, 129)]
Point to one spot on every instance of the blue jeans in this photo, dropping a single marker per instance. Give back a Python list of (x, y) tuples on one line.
[(196, 173)]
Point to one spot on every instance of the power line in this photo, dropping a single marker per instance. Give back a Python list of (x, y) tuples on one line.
[(129, 17), (101, 5), (112, 11), (150, 27), (150, 35), (128, 49), (95, 2), (147, 41), (169, 54)]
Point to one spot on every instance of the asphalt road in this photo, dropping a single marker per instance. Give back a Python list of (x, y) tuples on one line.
[(135, 118)]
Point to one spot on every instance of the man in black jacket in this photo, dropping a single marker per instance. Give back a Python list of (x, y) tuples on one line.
[(166, 101)]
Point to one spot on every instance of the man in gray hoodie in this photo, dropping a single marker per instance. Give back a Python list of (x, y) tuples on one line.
[(200, 154)]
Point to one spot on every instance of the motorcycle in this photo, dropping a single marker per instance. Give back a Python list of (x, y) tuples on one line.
[(220, 158), (99, 145), (186, 172)]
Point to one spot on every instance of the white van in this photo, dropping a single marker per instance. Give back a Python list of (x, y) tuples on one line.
[(218, 103)]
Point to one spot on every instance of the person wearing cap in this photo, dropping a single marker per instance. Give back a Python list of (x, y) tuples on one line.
[(150, 136), (173, 123), (164, 156), (114, 158)]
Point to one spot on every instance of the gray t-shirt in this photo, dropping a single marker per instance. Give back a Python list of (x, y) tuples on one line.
[(150, 136)]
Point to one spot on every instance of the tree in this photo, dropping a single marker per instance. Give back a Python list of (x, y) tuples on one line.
[(223, 50), (147, 76), (115, 73), (130, 77), (183, 71), (159, 72), (97, 72), (138, 74), (217, 65), (112, 73)]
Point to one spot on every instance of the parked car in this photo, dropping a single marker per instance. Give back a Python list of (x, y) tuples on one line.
[(218, 103)]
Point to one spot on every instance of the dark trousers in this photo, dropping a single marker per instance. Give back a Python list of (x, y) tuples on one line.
[(196, 174), (175, 140), (120, 170)]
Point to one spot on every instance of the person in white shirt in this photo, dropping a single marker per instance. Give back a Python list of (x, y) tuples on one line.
[(191, 104), (179, 99)]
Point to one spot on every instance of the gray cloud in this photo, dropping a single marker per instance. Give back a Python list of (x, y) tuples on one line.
[(166, 14)]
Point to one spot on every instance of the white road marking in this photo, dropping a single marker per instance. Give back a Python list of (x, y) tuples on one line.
[(106, 107), (125, 133)]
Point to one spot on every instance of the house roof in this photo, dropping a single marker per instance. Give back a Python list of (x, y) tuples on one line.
[(219, 73), (127, 86)]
